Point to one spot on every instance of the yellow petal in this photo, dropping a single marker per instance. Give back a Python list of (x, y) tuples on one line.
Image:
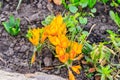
[(33, 58), (59, 19), (76, 69), (43, 37), (72, 54), (34, 36), (54, 40), (53, 31), (63, 58), (76, 47), (60, 51), (62, 29), (64, 42), (79, 57), (71, 76), (56, 27)]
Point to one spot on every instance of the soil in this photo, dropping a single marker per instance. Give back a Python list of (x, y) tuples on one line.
[(16, 52)]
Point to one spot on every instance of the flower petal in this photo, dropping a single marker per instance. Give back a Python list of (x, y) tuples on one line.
[(76, 69), (71, 76), (60, 51), (63, 58), (33, 58), (54, 40)]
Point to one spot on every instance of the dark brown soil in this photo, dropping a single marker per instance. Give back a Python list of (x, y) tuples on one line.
[(16, 52)]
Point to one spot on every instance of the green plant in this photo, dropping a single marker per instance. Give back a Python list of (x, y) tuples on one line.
[(74, 4), (75, 24), (93, 10), (34, 36), (83, 20), (12, 26), (115, 3), (73, 9), (105, 72), (118, 1), (87, 48), (55, 36), (83, 3), (115, 17), (114, 40), (104, 1), (91, 3), (99, 55), (47, 20)]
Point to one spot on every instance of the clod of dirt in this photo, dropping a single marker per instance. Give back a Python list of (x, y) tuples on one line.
[(3, 47), (24, 48), (39, 5), (9, 52), (47, 57), (34, 17), (47, 61)]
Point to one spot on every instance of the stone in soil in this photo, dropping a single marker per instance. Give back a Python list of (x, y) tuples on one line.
[(36, 76), (47, 61)]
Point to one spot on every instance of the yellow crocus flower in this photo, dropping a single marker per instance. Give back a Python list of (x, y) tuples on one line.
[(71, 76), (35, 36), (76, 69), (60, 40), (63, 58), (76, 47)]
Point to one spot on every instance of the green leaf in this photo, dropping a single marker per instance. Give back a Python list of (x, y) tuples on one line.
[(91, 3), (64, 4), (17, 22), (72, 29), (78, 28), (82, 20), (105, 1), (6, 26), (11, 21), (93, 10), (87, 48), (83, 3), (112, 14), (12, 26), (118, 1), (85, 33), (47, 20), (73, 9), (115, 17), (89, 75)]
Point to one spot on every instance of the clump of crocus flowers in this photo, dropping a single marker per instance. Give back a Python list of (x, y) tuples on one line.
[(66, 50)]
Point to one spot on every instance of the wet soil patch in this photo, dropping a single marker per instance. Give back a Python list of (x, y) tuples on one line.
[(16, 52)]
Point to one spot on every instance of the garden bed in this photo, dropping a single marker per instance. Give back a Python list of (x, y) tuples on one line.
[(16, 52)]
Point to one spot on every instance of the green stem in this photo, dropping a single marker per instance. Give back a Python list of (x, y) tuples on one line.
[(61, 66)]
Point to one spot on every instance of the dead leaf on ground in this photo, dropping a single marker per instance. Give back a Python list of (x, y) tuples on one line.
[(97, 77), (91, 70), (48, 68), (84, 62), (57, 2), (49, 0)]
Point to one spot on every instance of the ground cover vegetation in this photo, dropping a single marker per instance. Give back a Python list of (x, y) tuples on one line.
[(66, 38)]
